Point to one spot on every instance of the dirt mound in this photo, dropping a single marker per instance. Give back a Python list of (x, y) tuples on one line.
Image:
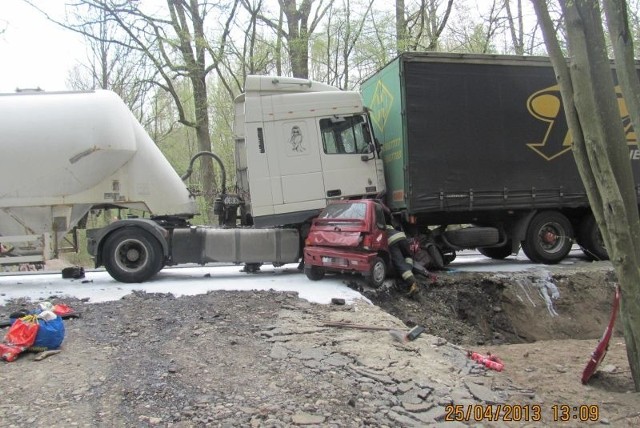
[(498, 308)]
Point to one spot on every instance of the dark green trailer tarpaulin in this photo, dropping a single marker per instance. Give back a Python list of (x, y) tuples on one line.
[(475, 132)]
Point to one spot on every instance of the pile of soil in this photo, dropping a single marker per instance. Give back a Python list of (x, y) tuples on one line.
[(231, 358), (496, 308)]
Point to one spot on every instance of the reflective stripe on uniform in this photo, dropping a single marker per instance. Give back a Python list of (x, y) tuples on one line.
[(409, 261), (397, 236)]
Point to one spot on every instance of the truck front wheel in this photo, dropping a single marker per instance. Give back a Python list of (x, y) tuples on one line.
[(132, 255), (549, 238)]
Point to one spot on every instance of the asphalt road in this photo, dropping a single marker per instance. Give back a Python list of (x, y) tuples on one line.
[(98, 286)]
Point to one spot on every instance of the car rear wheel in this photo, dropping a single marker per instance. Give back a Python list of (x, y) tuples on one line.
[(377, 273)]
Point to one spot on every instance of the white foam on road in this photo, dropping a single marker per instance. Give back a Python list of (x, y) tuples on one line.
[(98, 286)]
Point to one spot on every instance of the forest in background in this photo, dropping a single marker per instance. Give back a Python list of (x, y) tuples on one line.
[(178, 64)]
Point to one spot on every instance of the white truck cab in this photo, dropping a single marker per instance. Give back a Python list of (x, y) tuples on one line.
[(299, 144)]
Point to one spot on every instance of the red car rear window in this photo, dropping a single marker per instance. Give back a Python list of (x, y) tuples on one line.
[(355, 210)]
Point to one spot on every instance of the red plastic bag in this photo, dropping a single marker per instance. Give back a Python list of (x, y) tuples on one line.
[(9, 353), (23, 332), (20, 336), (62, 309)]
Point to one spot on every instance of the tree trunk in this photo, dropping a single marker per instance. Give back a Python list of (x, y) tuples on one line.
[(401, 27), (588, 91), (279, 44), (297, 36), (516, 26), (622, 41), (201, 107)]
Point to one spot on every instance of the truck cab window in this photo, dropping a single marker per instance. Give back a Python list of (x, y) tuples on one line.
[(344, 135)]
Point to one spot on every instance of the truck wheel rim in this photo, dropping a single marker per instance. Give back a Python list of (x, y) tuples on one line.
[(130, 255), (552, 238)]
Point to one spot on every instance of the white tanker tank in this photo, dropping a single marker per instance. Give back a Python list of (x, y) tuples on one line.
[(64, 153)]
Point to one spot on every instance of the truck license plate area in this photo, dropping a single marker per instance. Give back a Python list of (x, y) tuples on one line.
[(336, 261)]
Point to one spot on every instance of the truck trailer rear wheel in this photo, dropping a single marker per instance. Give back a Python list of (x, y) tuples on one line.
[(549, 238), (590, 239), (132, 255), (377, 273)]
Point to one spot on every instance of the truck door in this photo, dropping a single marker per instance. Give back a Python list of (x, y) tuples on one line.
[(299, 162), (349, 159)]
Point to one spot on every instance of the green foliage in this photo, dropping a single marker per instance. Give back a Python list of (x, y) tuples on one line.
[(473, 41)]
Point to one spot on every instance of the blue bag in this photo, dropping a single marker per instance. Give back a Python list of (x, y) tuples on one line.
[(50, 334)]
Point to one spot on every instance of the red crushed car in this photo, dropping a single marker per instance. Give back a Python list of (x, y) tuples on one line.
[(348, 237)]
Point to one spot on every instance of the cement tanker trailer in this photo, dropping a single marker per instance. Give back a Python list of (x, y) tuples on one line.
[(66, 153)]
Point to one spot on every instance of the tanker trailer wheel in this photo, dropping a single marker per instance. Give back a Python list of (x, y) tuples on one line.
[(377, 273), (590, 239), (132, 255), (549, 238), (314, 273), (497, 253)]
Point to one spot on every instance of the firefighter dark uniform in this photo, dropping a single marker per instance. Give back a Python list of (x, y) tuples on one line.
[(401, 257)]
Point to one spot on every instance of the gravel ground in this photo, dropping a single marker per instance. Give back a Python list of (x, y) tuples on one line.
[(267, 359)]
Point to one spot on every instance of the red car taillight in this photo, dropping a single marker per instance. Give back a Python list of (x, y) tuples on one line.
[(367, 241)]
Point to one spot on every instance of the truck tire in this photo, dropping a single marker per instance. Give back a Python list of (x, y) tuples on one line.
[(314, 273), (472, 237), (549, 238), (132, 255), (590, 239), (377, 273), (497, 253)]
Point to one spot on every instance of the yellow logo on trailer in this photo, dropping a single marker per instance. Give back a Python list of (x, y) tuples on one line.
[(546, 105)]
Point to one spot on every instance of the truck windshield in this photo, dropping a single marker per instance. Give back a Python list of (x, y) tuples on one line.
[(344, 135), (356, 210)]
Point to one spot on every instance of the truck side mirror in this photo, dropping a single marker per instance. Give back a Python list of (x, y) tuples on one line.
[(370, 153)]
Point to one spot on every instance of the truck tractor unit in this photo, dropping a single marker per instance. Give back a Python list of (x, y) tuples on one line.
[(298, 144)]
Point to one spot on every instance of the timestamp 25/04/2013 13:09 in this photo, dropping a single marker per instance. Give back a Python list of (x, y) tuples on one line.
[(520, 412)]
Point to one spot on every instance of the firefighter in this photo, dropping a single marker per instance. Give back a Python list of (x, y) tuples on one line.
[(401, 257)]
